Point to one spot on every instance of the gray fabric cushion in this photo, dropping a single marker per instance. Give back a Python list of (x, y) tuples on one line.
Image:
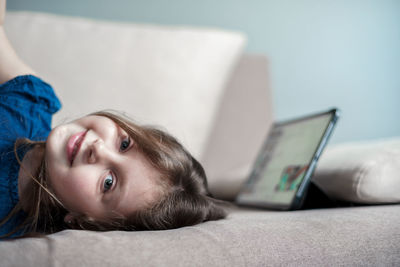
[(358, 236)]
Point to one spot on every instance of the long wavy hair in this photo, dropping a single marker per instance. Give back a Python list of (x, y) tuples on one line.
[(185, 199)]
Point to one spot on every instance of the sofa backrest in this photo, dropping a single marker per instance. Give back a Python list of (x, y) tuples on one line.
[(244, 117)]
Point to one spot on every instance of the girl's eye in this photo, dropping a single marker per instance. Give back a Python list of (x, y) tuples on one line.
[(108, 182), (125, 144)]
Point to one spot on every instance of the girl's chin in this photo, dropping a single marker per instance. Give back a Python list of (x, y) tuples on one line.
[(55, 144)]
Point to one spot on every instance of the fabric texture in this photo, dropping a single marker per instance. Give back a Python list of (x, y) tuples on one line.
[(170, 76), (26, 107), (361, 172), (358, 236)]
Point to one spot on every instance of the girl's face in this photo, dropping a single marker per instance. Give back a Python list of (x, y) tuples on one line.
[(94, 168)]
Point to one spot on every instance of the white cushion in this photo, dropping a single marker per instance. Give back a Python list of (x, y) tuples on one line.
[(168, 76), (362, 172)]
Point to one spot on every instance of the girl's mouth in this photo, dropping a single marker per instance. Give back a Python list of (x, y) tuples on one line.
[(74, 144)]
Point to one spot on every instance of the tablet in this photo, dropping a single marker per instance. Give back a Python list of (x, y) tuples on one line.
[(283, 168)]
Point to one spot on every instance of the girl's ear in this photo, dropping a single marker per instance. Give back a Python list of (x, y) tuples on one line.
[(69, 218)]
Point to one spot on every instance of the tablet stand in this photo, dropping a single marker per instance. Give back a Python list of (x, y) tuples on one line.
[(317, 199)]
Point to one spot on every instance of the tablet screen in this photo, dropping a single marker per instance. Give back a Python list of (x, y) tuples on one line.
[(285, 160)]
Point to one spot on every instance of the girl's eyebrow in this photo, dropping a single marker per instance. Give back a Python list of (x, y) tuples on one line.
[(121, 187), (121, 192), (120, 130)]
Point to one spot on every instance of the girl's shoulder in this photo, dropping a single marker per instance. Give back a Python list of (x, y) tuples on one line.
[(27, 104), (29, 89)]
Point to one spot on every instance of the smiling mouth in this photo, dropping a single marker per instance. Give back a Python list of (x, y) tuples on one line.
[(74, 144)]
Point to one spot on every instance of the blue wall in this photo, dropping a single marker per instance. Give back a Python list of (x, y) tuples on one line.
[(343, 53)]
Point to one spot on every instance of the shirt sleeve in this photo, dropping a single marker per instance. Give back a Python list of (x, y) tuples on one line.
[(27, 104)]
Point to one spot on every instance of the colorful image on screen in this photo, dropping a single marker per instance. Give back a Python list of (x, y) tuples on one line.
[(291, 178)]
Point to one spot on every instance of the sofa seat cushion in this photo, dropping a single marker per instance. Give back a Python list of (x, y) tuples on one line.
[(364, 172), (327, 237)]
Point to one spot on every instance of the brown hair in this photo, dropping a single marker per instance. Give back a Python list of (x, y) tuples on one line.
[(185, 200)]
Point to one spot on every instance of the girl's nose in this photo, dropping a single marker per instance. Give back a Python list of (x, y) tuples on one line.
[(97, 152)]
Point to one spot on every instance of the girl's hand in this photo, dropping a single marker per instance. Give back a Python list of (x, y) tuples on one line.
[(2, 11)]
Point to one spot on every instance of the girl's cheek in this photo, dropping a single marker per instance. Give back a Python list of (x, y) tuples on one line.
[(82, 184), (76, 193)]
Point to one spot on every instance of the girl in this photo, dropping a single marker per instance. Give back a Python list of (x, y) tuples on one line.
[(100, 172)]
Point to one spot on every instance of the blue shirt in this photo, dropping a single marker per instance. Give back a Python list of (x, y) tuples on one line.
[(26, 107)]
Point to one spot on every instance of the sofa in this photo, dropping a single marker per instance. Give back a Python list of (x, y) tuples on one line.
[(199, 84)]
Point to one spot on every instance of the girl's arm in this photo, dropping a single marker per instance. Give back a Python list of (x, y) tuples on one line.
[(2, 11), (10, 64)]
